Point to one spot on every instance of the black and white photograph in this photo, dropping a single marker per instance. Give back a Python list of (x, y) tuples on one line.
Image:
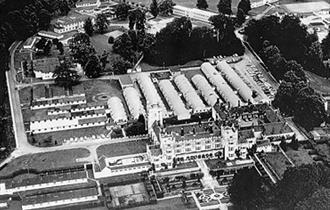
[(165, 104)]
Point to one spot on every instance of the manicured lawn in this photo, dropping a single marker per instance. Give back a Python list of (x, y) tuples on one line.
[(99, 91), (100, 43), (124, 148), (278, 162), (46, 161)]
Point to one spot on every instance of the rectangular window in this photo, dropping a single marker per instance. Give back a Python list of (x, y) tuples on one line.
[(207, 146), (217, 145), (198, 148), (188, 149)]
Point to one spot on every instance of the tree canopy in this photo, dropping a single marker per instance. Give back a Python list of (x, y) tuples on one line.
[(202, 4), (179, 43), (80, 48), (88, 27), (326, 46), (319, 200), (101, 23), (121, 11), (120, 65), (137, 18), (224, 7), (154, 10), (290, 37), (246, 189), (299, 184), (166, 7), (244, 5), (64, 76), (93, 67)]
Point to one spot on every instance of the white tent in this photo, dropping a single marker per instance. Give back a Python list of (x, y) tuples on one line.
[(236, 81), (133, 102), (174, 99), (117, 109), (189, 93), (207, 91), (221, 85)]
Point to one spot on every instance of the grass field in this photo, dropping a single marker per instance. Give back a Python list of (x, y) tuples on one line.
[(46, 161), (125, 148), (278, 162)]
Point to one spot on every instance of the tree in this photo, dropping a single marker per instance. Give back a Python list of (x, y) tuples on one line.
[(111, 40), (44, 19), (326, 46), (319, 200), (121, 11), (298, 183), (246, 189), (41, 43), (60, 47), (80, 48), (65, 76), (154, 10), (104, 58), (120, 66), (202, 4), (298, 70), (240, 16), (101, 23), (93, 67), (309, 111), (166, 7), (88, 27), (136, 18), (136, 128), (124, 46), (244, 5), (224, 7), (314, 59)]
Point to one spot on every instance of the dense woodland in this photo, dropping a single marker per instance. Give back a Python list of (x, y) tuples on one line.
[(18, 21), (304, 187), (287, 50)]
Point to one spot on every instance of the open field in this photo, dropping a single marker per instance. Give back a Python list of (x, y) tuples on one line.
[(99, 91), (45, 161), (125, 148), (100, 43)]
